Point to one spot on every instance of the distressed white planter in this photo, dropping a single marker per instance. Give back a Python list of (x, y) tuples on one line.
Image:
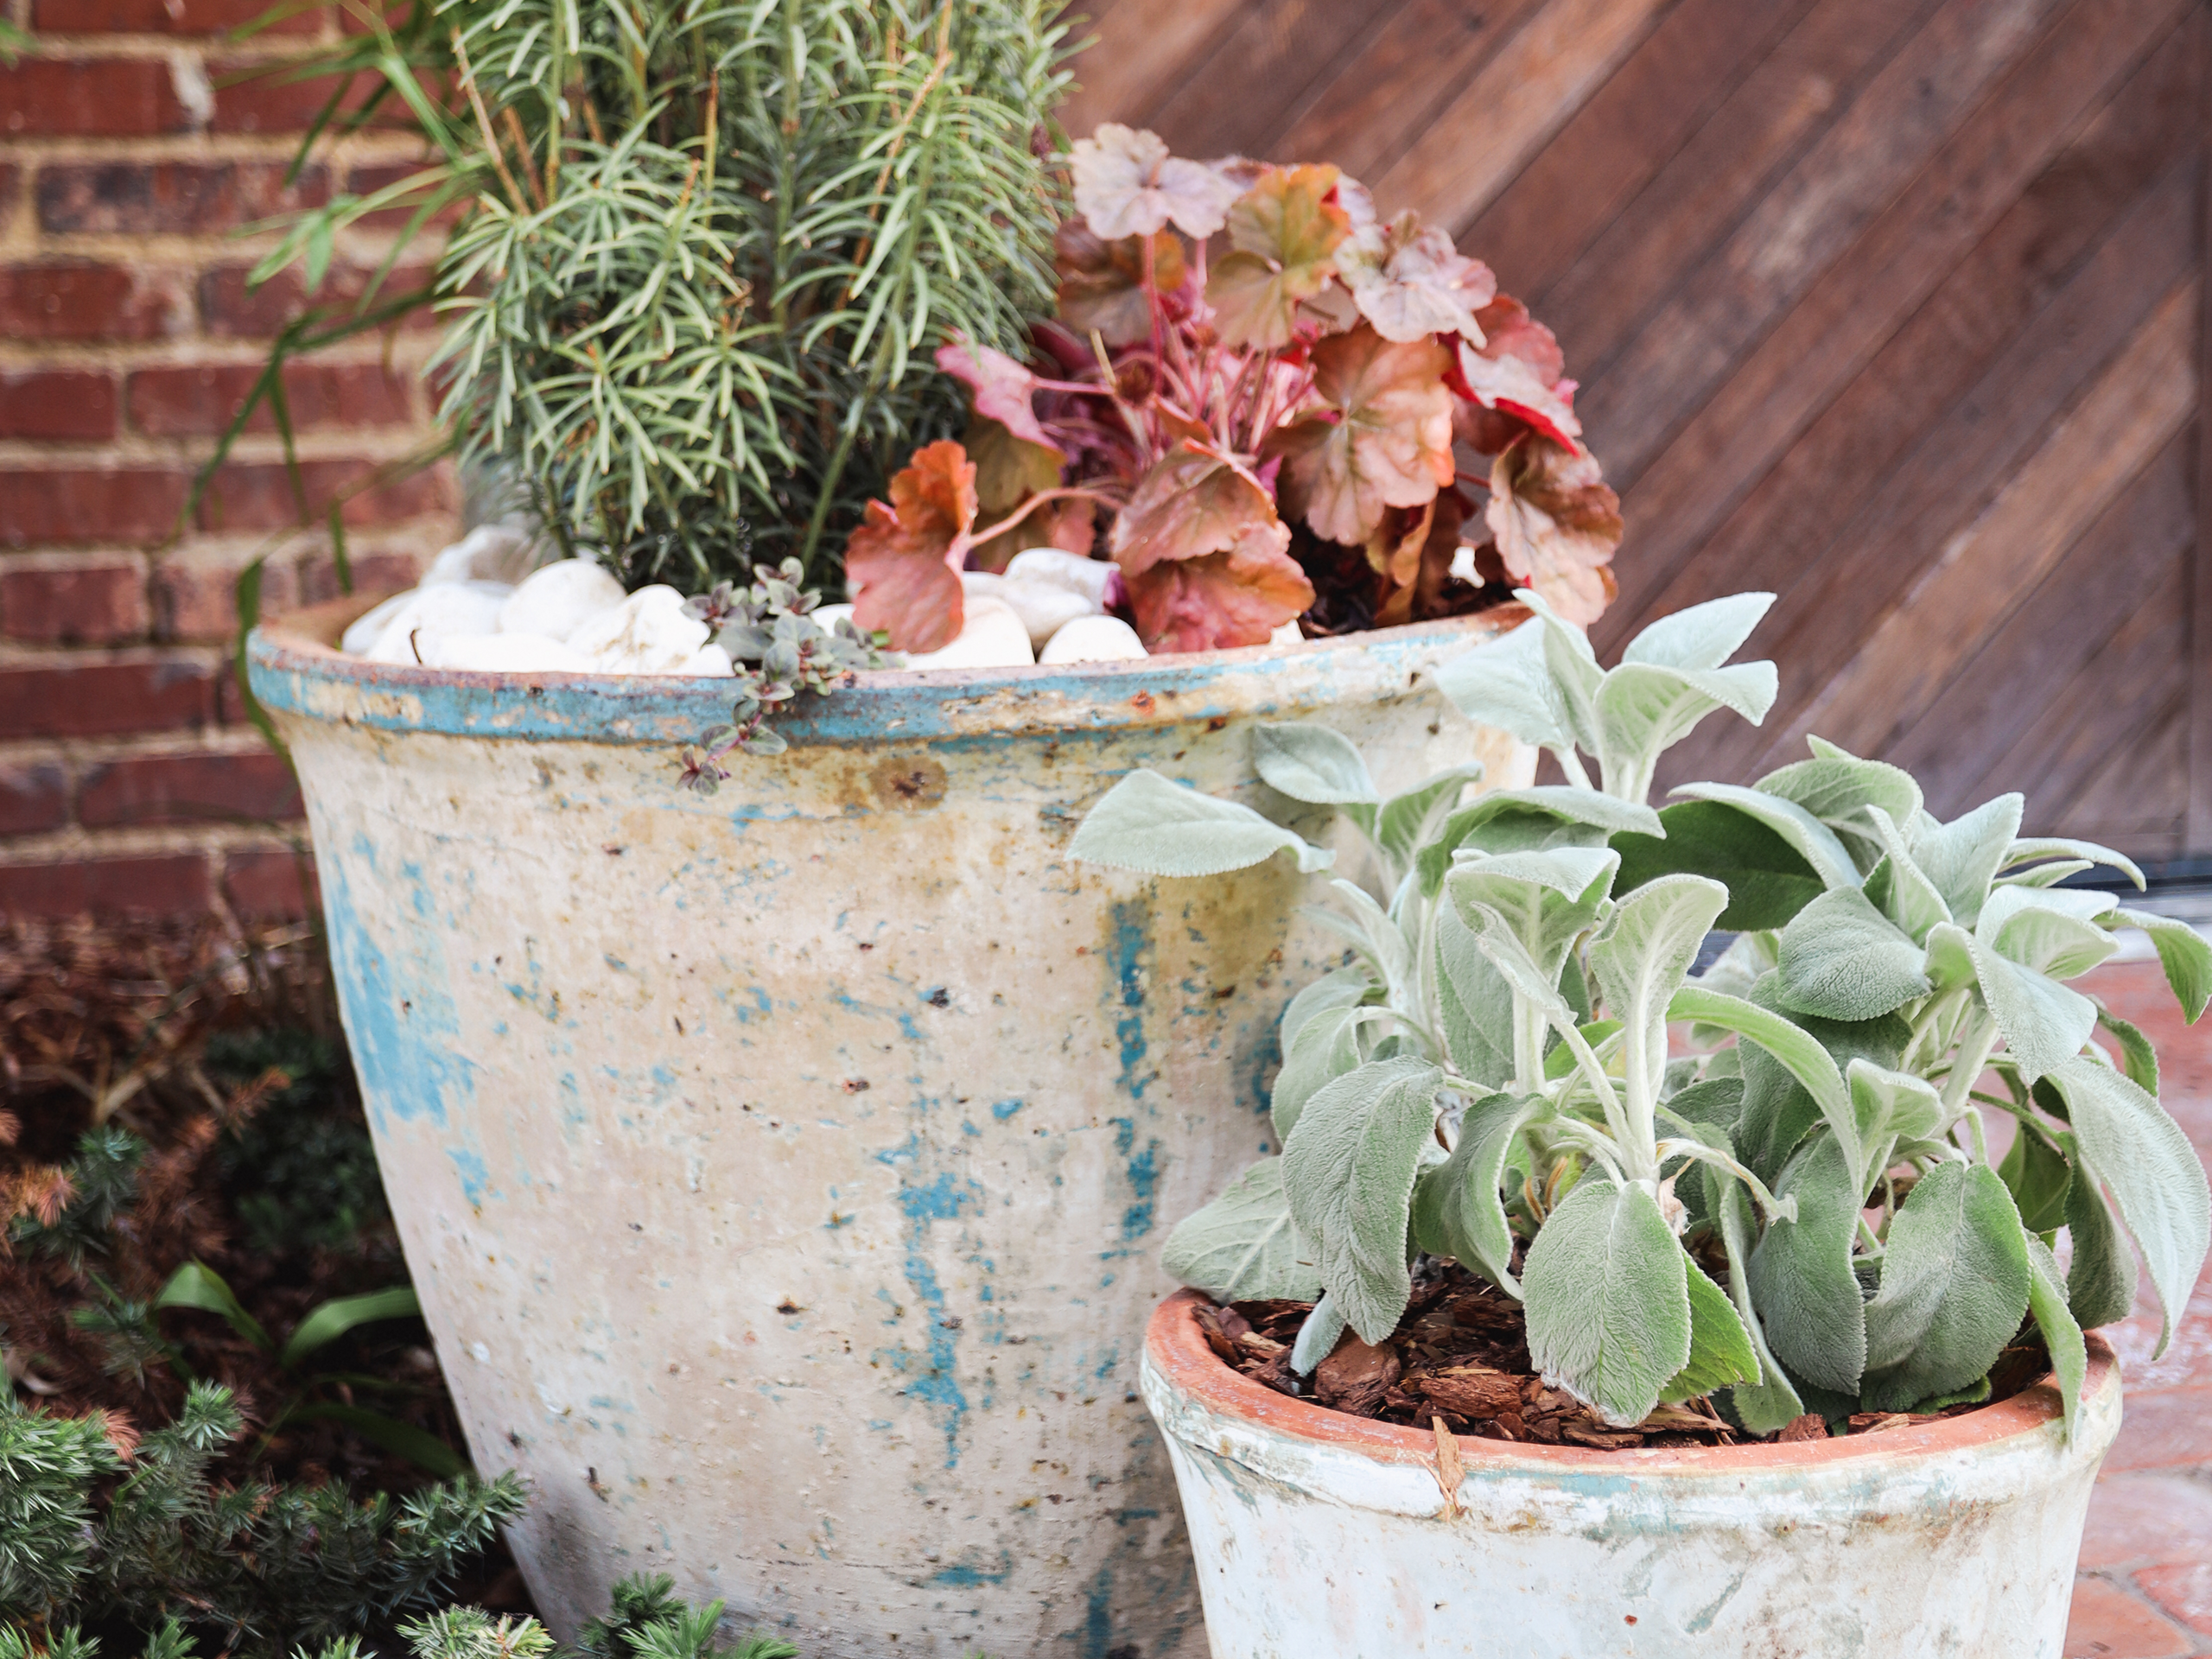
[(784, 1173), (1320, 1536)]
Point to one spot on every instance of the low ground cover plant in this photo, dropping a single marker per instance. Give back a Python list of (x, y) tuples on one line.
[(1799, 1216)]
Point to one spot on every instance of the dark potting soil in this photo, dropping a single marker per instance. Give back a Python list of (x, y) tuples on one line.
[(1461, 1354)]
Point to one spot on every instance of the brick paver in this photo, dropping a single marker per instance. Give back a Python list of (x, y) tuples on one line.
[(2146, 1585)]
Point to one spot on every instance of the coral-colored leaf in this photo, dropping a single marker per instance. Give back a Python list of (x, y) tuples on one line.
[(1557, 524), (1194, 500), (1008, 469), (1394, 549), (903, 560), (1000, 388), (1069, 525), (1220, 601), (1283, 233), (1410, 281), (1102, 283), (1127, 184), (1510, 331), (1382, 439), (1204, 556), (1509, 386)]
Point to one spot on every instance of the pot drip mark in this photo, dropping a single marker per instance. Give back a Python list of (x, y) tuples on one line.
[(935, 1376), (1129, 944), (398, 1013)]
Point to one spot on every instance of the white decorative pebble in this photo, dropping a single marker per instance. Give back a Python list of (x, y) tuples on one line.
[(363, 631), (558, 599), (707, 661), (1093, 578), (503, 654), (828, 615), (1093, 639), (487, 553), (1043, 606), (446, 608), (646, 633), (992, 636), (1288, 634)]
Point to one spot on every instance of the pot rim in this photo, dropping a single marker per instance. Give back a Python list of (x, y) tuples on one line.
[(1178, 1350), (295, 669)]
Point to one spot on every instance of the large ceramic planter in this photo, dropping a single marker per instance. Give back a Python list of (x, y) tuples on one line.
[(783, 1172), (1320, 1536)]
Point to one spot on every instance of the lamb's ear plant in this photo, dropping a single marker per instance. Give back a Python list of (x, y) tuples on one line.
[(1918, 957), (1487, 1078)]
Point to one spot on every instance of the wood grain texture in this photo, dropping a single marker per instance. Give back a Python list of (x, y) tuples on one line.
[(1512, 104), (1893, 307), (2197, 738), (2141, 400)]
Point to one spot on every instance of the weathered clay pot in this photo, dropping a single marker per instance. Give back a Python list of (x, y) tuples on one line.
[(784, 1173), (1320, 1536)]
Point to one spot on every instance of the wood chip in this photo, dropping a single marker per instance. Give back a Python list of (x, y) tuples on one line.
[(1876, 1423), (1586, 1433), (1450, 1471), (1811, 1427), (1470, 1391), (1355, 1377)]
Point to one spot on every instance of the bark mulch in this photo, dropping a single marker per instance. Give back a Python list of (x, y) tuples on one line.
[(1461, 1354)]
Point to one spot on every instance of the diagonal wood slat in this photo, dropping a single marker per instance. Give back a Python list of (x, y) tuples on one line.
[(1896, 308)]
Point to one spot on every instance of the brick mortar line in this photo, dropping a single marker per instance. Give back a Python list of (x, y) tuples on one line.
[(371, 444), (78, 752), (76, 845), (401, 536)]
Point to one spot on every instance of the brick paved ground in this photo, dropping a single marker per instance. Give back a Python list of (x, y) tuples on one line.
[(2145, 1585)]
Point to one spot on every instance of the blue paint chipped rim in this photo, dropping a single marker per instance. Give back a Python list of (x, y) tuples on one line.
[(296, 670)]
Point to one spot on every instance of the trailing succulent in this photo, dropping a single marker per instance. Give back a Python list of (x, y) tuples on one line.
[(1264, 428), (1488, 1077)]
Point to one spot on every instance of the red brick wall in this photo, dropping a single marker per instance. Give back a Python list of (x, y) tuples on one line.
[(129, 780)]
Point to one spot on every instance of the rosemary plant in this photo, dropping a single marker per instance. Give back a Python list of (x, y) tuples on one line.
[(703, 252)]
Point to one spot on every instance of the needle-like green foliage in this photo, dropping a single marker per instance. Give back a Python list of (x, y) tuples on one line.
[(704, 252)]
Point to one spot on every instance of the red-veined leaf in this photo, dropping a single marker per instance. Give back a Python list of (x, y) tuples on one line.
[(1410, 281), (1127, 184), (1283, 233), (1383, 437), (1220, 601), (1557, 524), (999, 388), (1102, 283)]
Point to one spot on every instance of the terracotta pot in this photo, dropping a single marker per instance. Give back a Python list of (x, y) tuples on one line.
[(1326, 1535), (784, 1173)]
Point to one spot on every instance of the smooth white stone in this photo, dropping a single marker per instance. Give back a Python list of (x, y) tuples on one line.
[(503, 654), (646, 633), (556, 599), (1093, 639), (363, 631), (1043, 606), (487, 553), (827, 615), (1092, 578), (426, 612), (707, 662), (992, 636), (1287, 634)]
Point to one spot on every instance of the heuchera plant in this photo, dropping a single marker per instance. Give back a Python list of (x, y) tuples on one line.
[(1488, 1077), (1249, 426)]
